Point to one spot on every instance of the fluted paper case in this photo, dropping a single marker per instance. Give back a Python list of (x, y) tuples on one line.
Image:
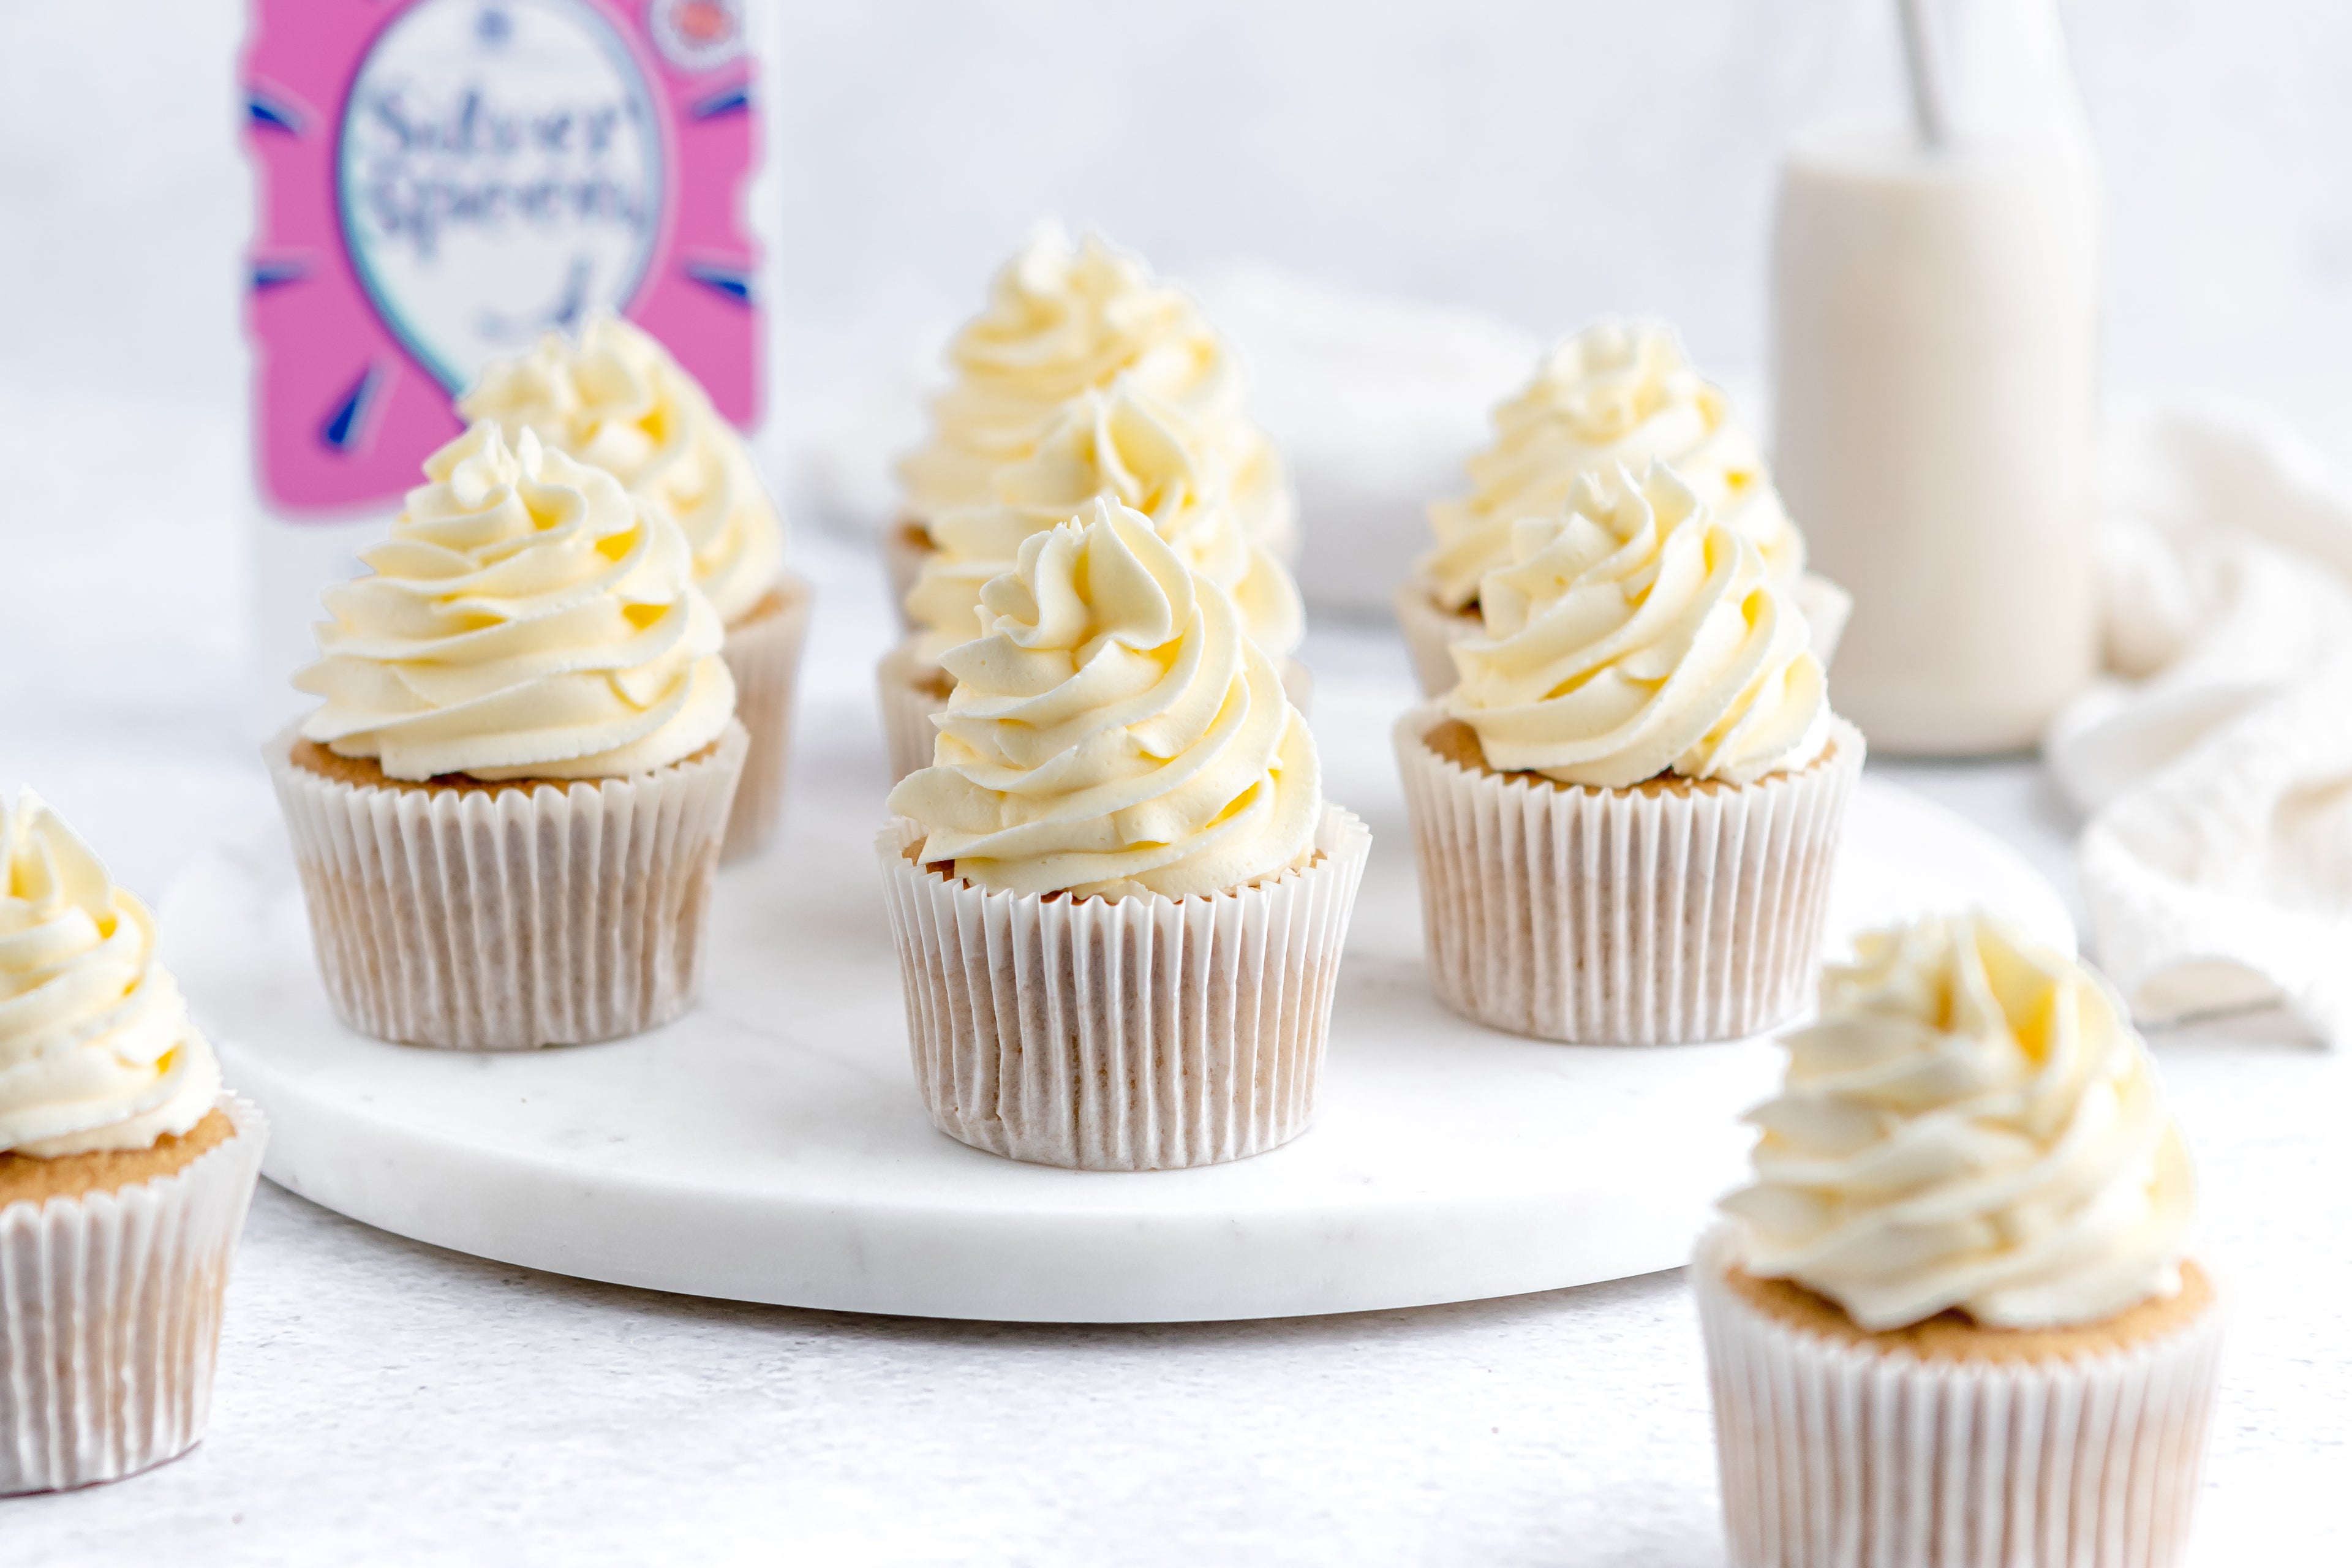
[(1146, 1034)]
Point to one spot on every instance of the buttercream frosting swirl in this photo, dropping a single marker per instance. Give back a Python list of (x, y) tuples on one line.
[(1634, 634), (1973, 1123), (528, 619), (1114, 732), (1062, 318), (96, 1048), (1126, 445), (618, 399), (1617, 393)]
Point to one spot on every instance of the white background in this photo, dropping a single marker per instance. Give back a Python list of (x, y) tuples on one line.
[(1542, 160), (1546, 160)]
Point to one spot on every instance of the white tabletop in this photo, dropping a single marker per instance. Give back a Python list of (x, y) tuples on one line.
[(381, 1401)]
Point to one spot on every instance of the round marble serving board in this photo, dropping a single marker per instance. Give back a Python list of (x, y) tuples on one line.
[(770, 1146)]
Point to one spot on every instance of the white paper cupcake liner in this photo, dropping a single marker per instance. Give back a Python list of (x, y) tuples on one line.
[(1615, 917), (110, 1316), (763, 654), (908, 736), (1431, 630), (506, 920), (1147, 1034), (905, 548), (1834, 1453)]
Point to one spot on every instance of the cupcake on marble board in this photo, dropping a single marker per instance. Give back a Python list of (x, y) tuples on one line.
[(1120, 444), (507, 813), (125, 1172), (616, 399), (1118, 895), (1953, 1321), (1617, 393), (1063, 319), (1626, 810)]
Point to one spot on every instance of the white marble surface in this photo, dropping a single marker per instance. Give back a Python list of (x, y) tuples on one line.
[(769, 1146), (385, 1402), (1542, 160)]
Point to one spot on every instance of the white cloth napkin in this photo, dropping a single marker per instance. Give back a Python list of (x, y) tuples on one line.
[(2217, 755)]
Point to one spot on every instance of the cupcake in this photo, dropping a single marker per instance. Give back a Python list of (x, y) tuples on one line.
[(124, 1176), (1617, 393), (1626, 809), (507, 811), (615, 399), (1121, 444), (1119, 897), (1061, 319), (1953, 1321)]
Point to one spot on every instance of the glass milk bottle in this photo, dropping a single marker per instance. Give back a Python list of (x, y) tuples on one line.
[(1936, 303)]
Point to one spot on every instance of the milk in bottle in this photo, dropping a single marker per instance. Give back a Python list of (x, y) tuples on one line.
[(1935, 299)]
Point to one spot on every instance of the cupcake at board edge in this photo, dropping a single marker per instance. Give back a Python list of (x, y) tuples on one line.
[(1971, 1198), (614, 397), (527, 660), (117, 1143), (1644, 727), (1120, 785)]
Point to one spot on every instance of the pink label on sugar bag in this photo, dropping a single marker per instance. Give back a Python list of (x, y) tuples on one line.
[(442, 180)]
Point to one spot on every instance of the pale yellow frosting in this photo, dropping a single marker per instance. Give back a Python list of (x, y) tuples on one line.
[(1062, 319), (1114, 732), (96, 1048), (616, 399), (1973, 1123), (1126, 445), (1634, 634), (528, 619), (1617, 393)]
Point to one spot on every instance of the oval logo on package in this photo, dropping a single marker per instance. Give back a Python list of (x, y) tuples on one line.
[(443, 181)]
